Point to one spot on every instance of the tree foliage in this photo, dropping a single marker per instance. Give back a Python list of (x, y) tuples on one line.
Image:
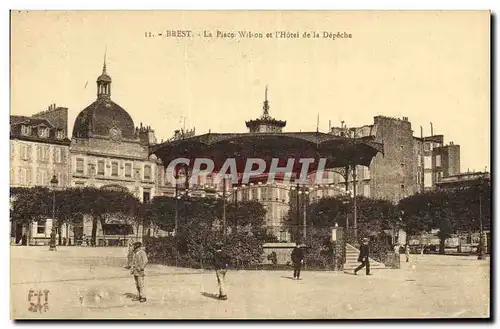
[(449, 211), (32, 204)]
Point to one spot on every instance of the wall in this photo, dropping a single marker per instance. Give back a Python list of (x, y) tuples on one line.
[(58, 116), (31, 168), (392, 174), (95, 149)]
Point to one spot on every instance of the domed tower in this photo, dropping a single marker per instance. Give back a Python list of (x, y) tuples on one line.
[(104, 118), (108, 151), (266, 123), (104, 83)]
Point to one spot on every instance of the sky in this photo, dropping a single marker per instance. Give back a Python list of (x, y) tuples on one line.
[(427, 66)]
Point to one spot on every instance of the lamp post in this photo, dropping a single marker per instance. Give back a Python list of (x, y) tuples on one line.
[(301, 190), (481, 254), (305, 192), (54, 181), (176, 215), (354, 192), (224, 207), (224, 195)]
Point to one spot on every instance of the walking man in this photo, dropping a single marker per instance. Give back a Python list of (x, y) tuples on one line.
[(139, 262), (221, 263), (364, 254), (297, 260)]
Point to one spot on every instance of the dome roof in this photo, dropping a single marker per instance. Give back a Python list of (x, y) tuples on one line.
[(102, 115), (104, 77)]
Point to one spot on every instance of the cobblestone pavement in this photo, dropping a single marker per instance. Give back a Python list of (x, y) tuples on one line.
[(92, 283)]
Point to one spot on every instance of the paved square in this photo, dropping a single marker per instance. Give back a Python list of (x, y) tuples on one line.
[(92, 283)]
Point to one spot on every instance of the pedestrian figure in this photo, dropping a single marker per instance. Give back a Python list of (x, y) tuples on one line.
[(364, 254), (139, 262), (407, 253), (221, 263), (24, 240), (297, 260), (130, 253)]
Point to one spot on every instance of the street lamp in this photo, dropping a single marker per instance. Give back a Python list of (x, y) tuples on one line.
[(305, 191), (481, 254), (54, 181)]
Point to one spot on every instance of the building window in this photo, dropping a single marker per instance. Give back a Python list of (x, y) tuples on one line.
[(128, 170), (283, 236), (427, 162), (427, 179), (146, 196), (59, 134), (419, 177), (366, 190), (58, 154), (79, 184), (41, 226), (245, 194), (366, 172), (79, 166), (100, 167), (42, 177), (427, 147), (43, 132), (114, 168), (25, 152), (24, 176), (419, 160), (438, 160), (147, 172), (26, 130)]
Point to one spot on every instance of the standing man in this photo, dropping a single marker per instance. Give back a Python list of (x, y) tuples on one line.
[(221, 263), (298, 260), (407, 253), (130, 253), (364, 254), (139, 262)]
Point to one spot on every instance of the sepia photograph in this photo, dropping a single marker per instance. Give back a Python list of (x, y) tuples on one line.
[(271, 165)]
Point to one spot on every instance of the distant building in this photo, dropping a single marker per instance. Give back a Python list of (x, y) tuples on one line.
[(39, 150), (461, 180), (409, 164), (435, 160)]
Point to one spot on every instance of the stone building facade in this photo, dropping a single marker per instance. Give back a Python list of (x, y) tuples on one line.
[(108, 150), (409, 164), (39, 150)]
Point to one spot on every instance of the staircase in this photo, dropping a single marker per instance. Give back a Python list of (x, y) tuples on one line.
[(351, 260)]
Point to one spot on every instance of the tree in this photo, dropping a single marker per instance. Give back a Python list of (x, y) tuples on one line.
[(29, 205), (373, 215), (249, 216), (449, 211), (32, 204)]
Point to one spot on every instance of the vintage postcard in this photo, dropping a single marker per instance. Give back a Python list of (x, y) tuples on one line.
[(250, 165)]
